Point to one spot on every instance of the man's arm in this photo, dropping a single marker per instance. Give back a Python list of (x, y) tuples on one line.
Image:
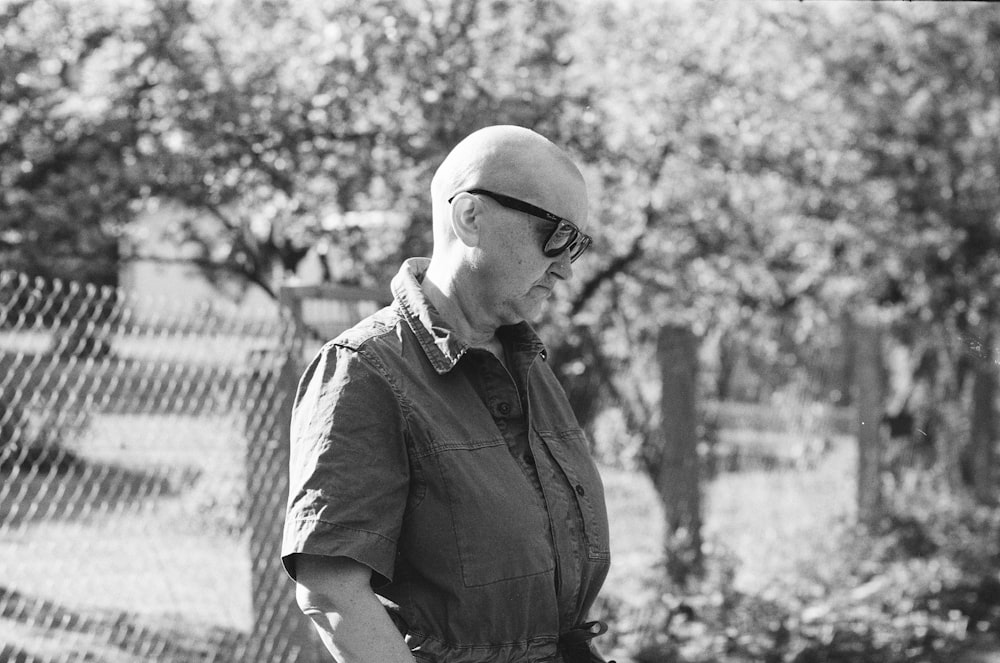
[(336, 593)]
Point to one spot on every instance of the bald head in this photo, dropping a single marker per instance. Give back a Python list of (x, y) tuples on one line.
[(505, 158)]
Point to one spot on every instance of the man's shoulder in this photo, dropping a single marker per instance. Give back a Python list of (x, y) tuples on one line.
[(378, 328)]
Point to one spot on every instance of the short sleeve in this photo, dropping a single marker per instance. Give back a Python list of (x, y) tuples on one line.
[(349, 471)]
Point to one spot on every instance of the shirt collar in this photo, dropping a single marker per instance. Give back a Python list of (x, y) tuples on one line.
[(438, 341)]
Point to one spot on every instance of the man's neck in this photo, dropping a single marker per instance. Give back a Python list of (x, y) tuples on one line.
[(464, 318)]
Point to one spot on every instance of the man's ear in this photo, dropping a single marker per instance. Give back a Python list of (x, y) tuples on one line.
[(466, 218)]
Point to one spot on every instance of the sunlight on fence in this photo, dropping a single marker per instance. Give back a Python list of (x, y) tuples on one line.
[(140, 472)]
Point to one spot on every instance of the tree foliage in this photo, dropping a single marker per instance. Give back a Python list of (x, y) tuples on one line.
[(271, 122), (67, 141), (922, 85), (296, 118), (756, 169), (718, 198), (769, 169)]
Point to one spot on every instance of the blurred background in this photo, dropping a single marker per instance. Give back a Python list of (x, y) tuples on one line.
[(783, 343)]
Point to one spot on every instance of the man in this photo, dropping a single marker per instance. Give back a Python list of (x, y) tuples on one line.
[(443, 504)]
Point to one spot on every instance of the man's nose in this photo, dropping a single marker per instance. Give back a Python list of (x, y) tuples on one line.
[(563, 267)]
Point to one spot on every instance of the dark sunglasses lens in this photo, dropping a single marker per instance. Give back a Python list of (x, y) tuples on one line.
[(561, 238), (579, 245)]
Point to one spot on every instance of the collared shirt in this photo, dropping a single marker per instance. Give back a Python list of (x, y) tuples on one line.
[(464, 484)]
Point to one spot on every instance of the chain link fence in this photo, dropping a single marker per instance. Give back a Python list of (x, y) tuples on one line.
[(143, 473)]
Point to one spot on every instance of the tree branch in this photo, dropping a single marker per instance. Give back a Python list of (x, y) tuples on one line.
[(635, 251), (208, 266), (609, 271)]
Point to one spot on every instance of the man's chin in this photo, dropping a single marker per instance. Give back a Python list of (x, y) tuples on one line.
[(532, 311)]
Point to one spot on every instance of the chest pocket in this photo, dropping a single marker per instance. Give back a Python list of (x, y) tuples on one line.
[(499, 523), (570, 450)]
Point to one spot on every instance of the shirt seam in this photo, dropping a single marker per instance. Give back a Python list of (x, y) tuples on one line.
[(348, 528), (367, 355), (538, 640), (434, 448)]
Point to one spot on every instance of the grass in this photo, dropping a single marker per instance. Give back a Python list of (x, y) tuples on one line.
[(775, 540), (771, 522), (116, 556), (777, 523)]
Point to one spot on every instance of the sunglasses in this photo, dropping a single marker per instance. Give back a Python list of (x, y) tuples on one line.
[(566, 236)]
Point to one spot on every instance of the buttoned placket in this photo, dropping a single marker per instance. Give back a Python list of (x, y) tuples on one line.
[(559, 505), (561, 502), (502, 396)]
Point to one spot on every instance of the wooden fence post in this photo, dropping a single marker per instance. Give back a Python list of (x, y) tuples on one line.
[(677, 479), (869, 395), (983, 424)]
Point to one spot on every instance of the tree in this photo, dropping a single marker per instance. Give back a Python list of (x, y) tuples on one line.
[(67, 136), (921, 85), (712, 199), (282, 120), (272, 123)]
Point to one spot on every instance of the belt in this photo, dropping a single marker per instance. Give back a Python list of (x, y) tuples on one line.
[(574, 644)]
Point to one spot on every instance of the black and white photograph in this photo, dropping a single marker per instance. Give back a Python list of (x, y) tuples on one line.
[(499, 331)]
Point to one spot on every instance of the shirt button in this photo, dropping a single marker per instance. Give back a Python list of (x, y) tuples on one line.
[(579, 490), (504, 408)]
